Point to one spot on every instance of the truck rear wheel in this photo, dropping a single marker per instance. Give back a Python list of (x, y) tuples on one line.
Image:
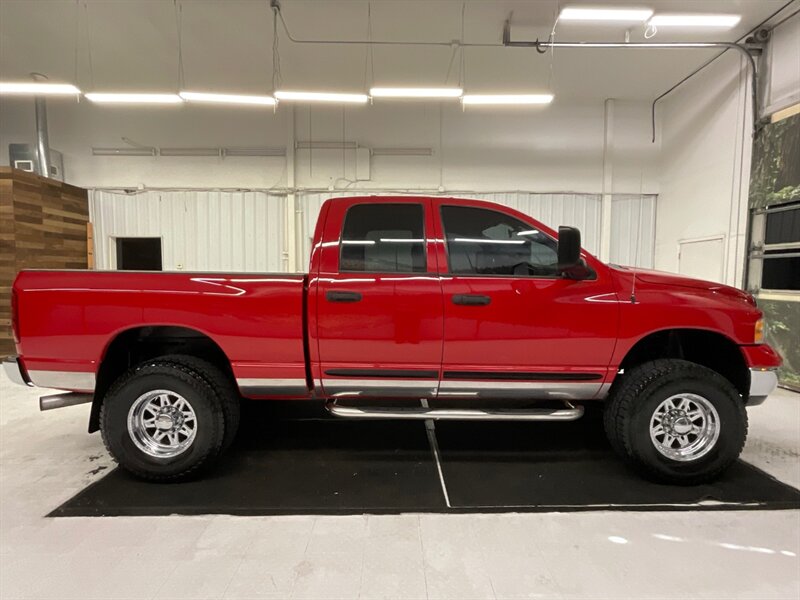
[(162, 420), (224, 387), (676, 421)]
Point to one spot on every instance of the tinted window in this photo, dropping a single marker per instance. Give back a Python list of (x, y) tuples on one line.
[(487, 242), (383, 238), (783, 227), (780, 272)]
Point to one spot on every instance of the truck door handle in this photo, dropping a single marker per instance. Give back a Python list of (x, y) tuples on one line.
[(471, 299), (343, 296)]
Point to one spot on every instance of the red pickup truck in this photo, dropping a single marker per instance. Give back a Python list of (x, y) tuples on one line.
[(413, 308)]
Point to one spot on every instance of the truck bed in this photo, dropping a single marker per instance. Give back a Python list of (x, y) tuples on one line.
[(67, 321)]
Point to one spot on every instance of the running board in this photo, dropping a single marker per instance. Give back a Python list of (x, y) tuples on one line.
[(62, 400), (571, 413)]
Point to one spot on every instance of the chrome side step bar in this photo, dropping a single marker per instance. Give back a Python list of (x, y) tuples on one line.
[(62, 400), (571, 413)]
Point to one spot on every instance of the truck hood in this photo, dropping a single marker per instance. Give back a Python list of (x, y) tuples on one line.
[(672, 279)]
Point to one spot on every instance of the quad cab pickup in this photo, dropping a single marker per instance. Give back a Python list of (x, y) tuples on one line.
[(413, 307)]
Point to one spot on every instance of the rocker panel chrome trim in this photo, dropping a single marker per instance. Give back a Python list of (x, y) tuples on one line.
[(80, 381), (398, 388), (272, 387), (519, 389)]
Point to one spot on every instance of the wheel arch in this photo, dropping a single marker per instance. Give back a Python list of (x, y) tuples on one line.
[(705, 347), (131, 346)]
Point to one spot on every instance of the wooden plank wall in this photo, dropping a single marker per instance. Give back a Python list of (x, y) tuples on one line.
[(43, 225)]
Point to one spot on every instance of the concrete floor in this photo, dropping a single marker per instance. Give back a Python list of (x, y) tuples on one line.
[(46, 458)]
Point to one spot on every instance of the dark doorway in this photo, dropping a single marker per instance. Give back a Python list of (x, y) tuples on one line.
[(139, 254)]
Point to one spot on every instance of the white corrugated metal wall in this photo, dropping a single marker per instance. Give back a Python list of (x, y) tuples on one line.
[(633, 230), (199, 230), (245, 231)]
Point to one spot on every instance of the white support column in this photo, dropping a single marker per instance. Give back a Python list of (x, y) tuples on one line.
[(608, 180), (292, 223)]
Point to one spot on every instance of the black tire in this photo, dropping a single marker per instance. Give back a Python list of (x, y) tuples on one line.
[(631, 407), (158, 374), (223, 386)]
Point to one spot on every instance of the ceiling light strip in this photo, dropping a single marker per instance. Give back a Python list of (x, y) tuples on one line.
[(403, 92), (300, 96), (227, 98), (125, 98), (65, 89)]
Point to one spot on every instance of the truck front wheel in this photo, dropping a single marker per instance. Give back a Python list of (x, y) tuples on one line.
[(162, 420), (676, 421)]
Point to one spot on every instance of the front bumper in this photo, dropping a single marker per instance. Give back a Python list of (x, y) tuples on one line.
[(15, 371), (763, 382)]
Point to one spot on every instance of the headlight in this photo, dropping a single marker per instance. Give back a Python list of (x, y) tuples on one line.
[(758, 334)]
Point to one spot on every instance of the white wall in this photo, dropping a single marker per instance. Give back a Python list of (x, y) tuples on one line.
[(705, 129), (706, 143), (199, 231), (542, 149)]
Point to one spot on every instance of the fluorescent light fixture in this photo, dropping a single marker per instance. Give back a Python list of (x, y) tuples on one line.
[(321, 97), (402, 152), (37, 88), (135, 98), (254, 151), (359, 242), (227, 98), (507, 99), (401, 92), (690, 20), (128, 151), (402, 240), (604, 14), (190, 151), (319, 145)]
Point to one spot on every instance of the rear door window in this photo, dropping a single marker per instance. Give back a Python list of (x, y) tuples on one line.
[(383, 238)]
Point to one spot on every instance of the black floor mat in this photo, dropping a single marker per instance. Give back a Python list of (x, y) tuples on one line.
[(288, 466), (557, 466), (290, 459)]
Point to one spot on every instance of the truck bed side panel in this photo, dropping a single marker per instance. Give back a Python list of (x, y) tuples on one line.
[(69, 318)]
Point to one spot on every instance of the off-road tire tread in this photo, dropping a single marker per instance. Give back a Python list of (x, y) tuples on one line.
[(628, 393), (223, 386), (188, 376)]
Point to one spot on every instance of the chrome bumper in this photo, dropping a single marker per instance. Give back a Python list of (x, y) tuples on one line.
[(14, 371), (762, 383)]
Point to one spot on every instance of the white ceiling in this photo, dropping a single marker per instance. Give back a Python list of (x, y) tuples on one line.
[(227, 46)]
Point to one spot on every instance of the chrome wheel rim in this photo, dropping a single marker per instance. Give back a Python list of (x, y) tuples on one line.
[(162, 424), (684, 427)]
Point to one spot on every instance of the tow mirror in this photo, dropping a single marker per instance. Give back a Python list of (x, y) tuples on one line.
[(570, 262)]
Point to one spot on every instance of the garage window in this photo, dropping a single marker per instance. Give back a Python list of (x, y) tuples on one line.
[(383, 238), (775, 255)]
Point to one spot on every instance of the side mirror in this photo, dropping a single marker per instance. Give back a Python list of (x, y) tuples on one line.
[(570, 262)]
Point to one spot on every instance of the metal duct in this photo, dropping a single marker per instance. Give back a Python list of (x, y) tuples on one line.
[(42, 139)]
